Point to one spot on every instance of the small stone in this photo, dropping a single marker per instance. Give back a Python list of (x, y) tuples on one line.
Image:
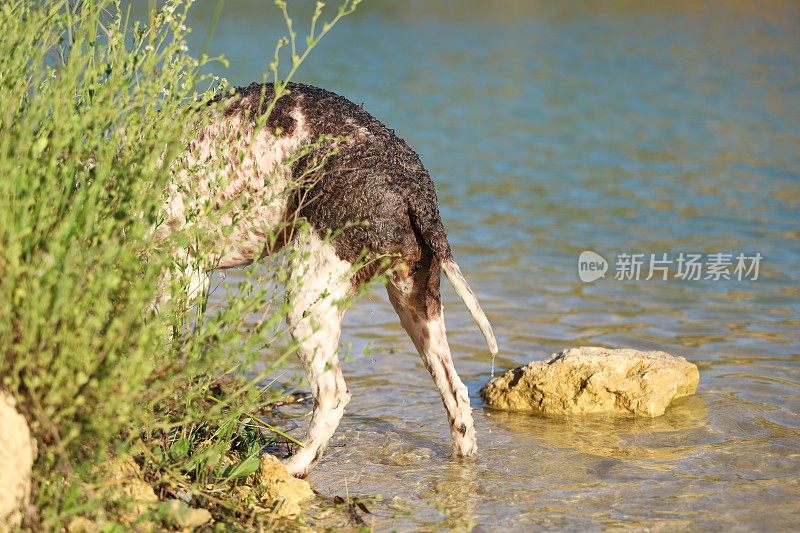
[(592, 380), (182, 516), (81, 524), (277, 487), (127, 486)]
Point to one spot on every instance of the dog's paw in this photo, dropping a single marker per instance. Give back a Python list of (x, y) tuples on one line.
[(300, 474), (297, 466), (298, 471), (465, 447), (465, 452)]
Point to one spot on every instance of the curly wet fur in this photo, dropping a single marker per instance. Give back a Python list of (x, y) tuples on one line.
[(369, 191), (375, 186)]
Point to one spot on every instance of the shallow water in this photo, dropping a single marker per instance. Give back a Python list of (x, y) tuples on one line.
[(549, 130)]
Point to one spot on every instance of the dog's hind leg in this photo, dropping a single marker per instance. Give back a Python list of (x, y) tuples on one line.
[(317, 292), (415, 297)]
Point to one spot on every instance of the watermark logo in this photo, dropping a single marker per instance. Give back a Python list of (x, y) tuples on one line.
[(663, 266), (591, 266)]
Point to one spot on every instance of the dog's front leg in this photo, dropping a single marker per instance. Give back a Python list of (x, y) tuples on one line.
[(190, 271), (317, 292)]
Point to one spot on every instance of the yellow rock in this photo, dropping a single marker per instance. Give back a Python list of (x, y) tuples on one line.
[(17, 452), (276, 486), (126, 485), (592, 380)]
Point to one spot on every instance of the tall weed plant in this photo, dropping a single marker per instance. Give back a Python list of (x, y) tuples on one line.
[(96, 112)]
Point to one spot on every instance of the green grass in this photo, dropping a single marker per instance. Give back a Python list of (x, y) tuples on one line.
[(85, 155)]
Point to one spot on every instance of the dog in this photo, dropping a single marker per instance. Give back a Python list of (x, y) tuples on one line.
[(369, 197)]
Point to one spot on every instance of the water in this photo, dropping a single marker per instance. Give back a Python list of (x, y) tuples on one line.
[(552, 128)]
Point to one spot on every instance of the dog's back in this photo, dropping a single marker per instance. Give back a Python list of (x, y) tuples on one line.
[(373, 192)]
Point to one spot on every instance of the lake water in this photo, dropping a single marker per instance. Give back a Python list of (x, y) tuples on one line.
[(552, 128)]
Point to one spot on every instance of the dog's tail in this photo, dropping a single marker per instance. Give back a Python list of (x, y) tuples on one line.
[(453, 273), (428, 224)]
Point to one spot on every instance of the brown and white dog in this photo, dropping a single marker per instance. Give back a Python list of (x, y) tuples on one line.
[(369, 198)]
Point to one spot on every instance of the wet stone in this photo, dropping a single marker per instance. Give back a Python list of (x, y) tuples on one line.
[(593, 380)]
